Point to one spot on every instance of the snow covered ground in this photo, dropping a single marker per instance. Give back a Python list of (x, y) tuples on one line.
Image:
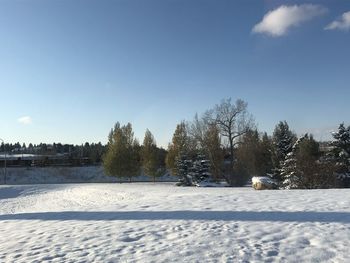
[(145, 222), (58, 175)]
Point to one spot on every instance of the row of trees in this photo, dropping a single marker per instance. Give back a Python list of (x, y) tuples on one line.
[(93, 151), (125, 157), (224, 144), (301, 163)]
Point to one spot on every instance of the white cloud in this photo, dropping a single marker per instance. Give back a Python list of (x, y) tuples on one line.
[(343, 23), (25, 120), (278, 21)]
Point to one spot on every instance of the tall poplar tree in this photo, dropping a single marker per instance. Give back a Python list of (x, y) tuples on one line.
[(122, 157), (179, 146), (213, 150), (150, 160)]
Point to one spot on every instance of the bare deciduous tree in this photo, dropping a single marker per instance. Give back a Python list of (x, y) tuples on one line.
[(233, 120)]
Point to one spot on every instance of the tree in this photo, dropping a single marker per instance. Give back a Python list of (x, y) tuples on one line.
[(233, 120), (247, 153), (213, 151), (179, 146), (192, 171), (341, 154), (195, 152), (149, 155), (122, 156), (161, 157), (197, 129), (303, 168), (266, 153), (201, 169), (206, 139), (283, 139), (289, 172), (253, 156), (183, 169)]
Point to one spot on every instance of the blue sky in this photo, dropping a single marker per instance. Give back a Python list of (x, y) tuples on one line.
[(71, 69)]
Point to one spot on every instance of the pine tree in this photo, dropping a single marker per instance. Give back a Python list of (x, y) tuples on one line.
[(283, 140), (341, 154), (290, 174), (183, 168), (122, 157), (193, 171), (304, 169), (202, 168)]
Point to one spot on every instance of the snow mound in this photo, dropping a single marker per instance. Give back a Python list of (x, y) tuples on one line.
[(263, 182)]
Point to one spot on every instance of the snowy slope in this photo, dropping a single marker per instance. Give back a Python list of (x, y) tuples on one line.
[(163, 223), (57, 175)]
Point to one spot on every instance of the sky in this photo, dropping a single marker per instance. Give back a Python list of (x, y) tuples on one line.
[(70, 69)]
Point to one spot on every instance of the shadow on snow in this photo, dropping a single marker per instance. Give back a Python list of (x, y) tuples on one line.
[(271, 216)]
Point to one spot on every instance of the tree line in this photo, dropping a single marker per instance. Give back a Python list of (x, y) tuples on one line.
[(224, 144), (92, 151)]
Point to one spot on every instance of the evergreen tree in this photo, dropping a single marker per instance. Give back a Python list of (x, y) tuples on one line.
[(193, 171), (341, 154), (183, 168), (303, 168), (290, 174), (122, 157), (97, 151), (283, 139), (202, 169)]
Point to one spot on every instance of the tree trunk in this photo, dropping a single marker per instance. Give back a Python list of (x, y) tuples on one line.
[(231, 161)]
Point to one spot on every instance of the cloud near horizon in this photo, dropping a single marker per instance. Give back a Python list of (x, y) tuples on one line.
[(25, 120), (278, 21), (343, 23)]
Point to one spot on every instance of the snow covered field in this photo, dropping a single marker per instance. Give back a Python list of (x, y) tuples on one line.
[(145, 222), (58, 175)]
